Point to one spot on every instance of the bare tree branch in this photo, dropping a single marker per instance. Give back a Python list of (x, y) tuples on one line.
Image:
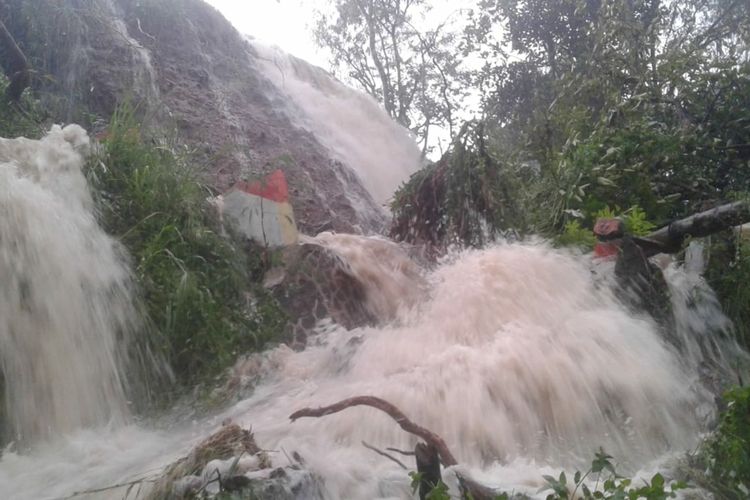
[(384, 454), (446, 457)]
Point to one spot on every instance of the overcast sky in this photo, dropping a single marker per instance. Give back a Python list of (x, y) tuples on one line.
[(288, 25), (285, 23)]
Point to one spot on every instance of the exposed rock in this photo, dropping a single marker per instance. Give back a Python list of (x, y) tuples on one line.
[(191, 71), (318, 284), (642, 283)]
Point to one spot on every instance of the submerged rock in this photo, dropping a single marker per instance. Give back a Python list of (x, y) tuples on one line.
[(318, 284)]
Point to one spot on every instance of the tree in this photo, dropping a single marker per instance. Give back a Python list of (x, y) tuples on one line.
[(414, 73)]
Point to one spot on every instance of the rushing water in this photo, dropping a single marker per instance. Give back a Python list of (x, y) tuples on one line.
[(65, 306), (516, 355)]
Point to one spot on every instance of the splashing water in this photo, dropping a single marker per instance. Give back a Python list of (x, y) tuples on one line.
[(392, 279), (65, 307), (512, 354)]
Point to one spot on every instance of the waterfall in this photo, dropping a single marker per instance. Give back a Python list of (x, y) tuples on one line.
[(512, 352), (351, 124), (521, 361), (65, 305)]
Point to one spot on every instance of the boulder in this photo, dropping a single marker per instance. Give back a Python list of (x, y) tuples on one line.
[(314, 284), (189, 71), (260, 211)]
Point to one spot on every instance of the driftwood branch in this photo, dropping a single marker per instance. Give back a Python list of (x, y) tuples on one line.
[(435, 446), (384, 454), (446, 457), (15, 65)]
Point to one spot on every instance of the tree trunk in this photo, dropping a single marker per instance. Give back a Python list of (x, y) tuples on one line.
[(428, 466), (668, 239)]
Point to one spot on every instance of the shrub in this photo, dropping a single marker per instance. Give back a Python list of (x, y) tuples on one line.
[(725, 456), (728, 273), (608, 485), (466, 198)]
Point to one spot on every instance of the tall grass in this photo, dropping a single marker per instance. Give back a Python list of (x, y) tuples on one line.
[(194, 281)]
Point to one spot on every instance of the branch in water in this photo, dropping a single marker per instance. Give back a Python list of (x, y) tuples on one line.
[(446, 457), (470, 487), (384, 454)]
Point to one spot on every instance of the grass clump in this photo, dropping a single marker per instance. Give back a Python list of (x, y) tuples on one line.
[(195, 281)]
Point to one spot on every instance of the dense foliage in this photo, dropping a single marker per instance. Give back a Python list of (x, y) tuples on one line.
[(728, 450), (194, 280), (466, 198), (728, 274), (722, 464), (618, 104)]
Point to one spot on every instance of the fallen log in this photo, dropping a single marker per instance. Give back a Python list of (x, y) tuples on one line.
[(669, 238), (14, 64)]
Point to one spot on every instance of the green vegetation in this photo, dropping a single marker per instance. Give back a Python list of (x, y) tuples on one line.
[(195, 282), (576, 235), (722, 465), (22, 119), (728, 273), (607, 485), (466, 198)]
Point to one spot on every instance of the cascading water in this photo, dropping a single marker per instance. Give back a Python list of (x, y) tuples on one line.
[(522, 362), (348, 122), (513, 354), (65, 306)]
